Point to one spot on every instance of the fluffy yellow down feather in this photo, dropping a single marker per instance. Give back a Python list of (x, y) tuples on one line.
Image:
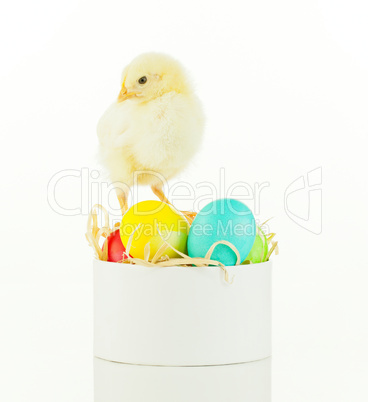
[(155, 125)]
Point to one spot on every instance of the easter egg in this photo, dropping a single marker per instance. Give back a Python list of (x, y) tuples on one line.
[(259, 251), (224, 219), (116, 248), (152, 222)]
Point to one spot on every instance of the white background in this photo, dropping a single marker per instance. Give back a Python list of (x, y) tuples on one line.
[(284, 86)]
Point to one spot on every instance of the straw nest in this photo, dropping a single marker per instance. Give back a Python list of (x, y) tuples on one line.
[(95, 233)]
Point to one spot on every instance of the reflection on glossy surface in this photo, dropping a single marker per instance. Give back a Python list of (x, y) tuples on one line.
[(249, 382)]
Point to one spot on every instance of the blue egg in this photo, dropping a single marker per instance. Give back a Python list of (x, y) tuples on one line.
[(224, 219)]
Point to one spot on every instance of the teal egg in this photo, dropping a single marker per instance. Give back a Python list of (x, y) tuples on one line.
[(224, 219)]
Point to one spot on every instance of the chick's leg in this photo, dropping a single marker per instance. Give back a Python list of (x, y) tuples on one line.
[(123, 199), (158, 191)]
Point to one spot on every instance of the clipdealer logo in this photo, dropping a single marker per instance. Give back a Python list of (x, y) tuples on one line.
[(302, 198), (306, 191)]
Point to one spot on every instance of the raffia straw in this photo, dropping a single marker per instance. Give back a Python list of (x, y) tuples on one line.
[(266, 221), (270, 236), (226, 243), (200, 262), (130, 240), (159, 253), (147, 251), (94, 234), (259, 232), (277, 248), (274, 246)]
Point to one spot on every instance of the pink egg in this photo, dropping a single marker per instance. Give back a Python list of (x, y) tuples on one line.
[(116, 248)]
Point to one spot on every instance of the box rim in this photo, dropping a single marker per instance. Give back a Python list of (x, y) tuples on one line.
[(178, 267)]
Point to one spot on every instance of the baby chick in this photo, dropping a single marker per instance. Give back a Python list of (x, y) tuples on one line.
[(155, 125)]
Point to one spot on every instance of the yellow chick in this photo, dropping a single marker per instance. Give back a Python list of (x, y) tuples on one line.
[(155, 125)]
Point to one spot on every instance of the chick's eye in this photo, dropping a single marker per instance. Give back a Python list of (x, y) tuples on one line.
[(142, 80)]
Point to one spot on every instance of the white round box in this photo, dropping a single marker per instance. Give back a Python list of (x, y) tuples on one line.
[(181, 316)]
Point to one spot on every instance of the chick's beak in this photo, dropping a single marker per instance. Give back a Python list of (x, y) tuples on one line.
[(124, 94)]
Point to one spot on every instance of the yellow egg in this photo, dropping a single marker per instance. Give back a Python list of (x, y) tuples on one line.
[(151, 222)]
